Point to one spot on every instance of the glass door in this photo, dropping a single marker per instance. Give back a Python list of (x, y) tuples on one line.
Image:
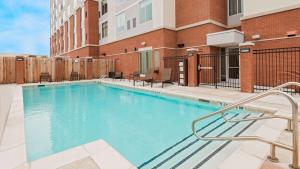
[(233, 64), (145, 61)]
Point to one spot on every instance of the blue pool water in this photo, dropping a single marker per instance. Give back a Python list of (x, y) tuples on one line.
[(139, 125)]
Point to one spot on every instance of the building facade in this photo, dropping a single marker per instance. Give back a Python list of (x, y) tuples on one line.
[(139, 34)]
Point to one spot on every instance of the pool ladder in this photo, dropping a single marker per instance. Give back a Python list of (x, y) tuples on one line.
[(292, 124)]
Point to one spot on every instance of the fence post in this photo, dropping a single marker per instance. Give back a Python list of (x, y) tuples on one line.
[(20, 70), (192, 68), (247, 67)]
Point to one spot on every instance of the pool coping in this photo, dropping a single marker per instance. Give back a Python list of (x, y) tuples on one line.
[(21, 161), (220, 102)]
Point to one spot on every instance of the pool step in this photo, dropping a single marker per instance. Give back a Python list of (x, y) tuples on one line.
[(191, 152)]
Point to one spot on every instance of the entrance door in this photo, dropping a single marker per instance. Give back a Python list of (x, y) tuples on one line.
[(230, 65), (145, 61)]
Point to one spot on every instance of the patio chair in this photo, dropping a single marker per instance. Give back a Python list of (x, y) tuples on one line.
[(118, 75), (166, 77), (148, 77), (45, 77), (74, 76), (134, 75)]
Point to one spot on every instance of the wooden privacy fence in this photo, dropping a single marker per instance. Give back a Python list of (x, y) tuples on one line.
[(29, 69)]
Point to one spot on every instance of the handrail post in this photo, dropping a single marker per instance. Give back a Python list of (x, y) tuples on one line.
[(295, 164), (289, 126), (272, 157)]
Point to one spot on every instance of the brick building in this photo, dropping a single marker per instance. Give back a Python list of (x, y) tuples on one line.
[(140, 34)]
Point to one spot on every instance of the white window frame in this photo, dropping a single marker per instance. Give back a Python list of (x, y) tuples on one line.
[(121, 22), (103, 36), (144, 16), (239, 7)]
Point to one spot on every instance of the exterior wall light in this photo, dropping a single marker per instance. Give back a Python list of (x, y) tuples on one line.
[(191, 51)]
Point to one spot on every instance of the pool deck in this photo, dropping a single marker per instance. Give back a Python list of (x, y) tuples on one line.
[(98, 154)]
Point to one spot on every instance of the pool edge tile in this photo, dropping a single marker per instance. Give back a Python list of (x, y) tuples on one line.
[(60, 159)]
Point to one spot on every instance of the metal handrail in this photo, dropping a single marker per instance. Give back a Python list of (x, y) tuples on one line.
[(289, 128), (272, 157)]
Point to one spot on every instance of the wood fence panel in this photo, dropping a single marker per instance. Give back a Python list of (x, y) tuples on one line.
[(82, 71), (59, 70), (76, 65), (53, 68), (28, 70), (10, 69), (1, 71), (96, 68), (36, 70), (111, 65)]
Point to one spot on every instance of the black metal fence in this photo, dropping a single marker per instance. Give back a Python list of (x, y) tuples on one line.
[(274, 67), (220, 70)]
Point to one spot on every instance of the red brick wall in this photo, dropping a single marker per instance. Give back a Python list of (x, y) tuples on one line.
[(91, 22), (218, 10), (71, 32), (83, 52), (192, 11), (54, 44), (195, 36), (66, 36), (129, 62), (51, 46), (156, 39), (273, 25), (78, 28), (58, 42), (61, 39)]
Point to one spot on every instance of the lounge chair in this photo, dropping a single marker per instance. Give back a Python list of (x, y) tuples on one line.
[(134, 75), (166, 77), (118, 75), (45, 77), (148, 78), (74, 76)]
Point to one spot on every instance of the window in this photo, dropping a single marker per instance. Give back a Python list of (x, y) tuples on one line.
[(134, 22), (128, 24), (145, 61), (104, 6), (145, 11), (104, 30), (121, 22), (235, 7)]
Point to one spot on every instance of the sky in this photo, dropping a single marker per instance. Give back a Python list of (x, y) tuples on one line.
[(24, 26)]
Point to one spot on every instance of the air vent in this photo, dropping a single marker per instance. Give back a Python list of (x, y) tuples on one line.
[(181, 45), (291, 33)]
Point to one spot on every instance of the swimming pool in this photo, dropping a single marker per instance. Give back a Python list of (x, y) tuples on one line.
[(137, 124)]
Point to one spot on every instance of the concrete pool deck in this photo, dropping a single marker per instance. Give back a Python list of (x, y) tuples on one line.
[(98, 154)]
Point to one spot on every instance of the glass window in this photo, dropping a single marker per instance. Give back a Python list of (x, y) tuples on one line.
[(235, 7), (104, 6), (128, 24), (104, 29), (145, 11), (121, 22), (145, 61), (134, 22), (240, 6)]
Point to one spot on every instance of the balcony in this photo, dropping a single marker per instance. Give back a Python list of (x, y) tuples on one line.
[(228, 38)]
